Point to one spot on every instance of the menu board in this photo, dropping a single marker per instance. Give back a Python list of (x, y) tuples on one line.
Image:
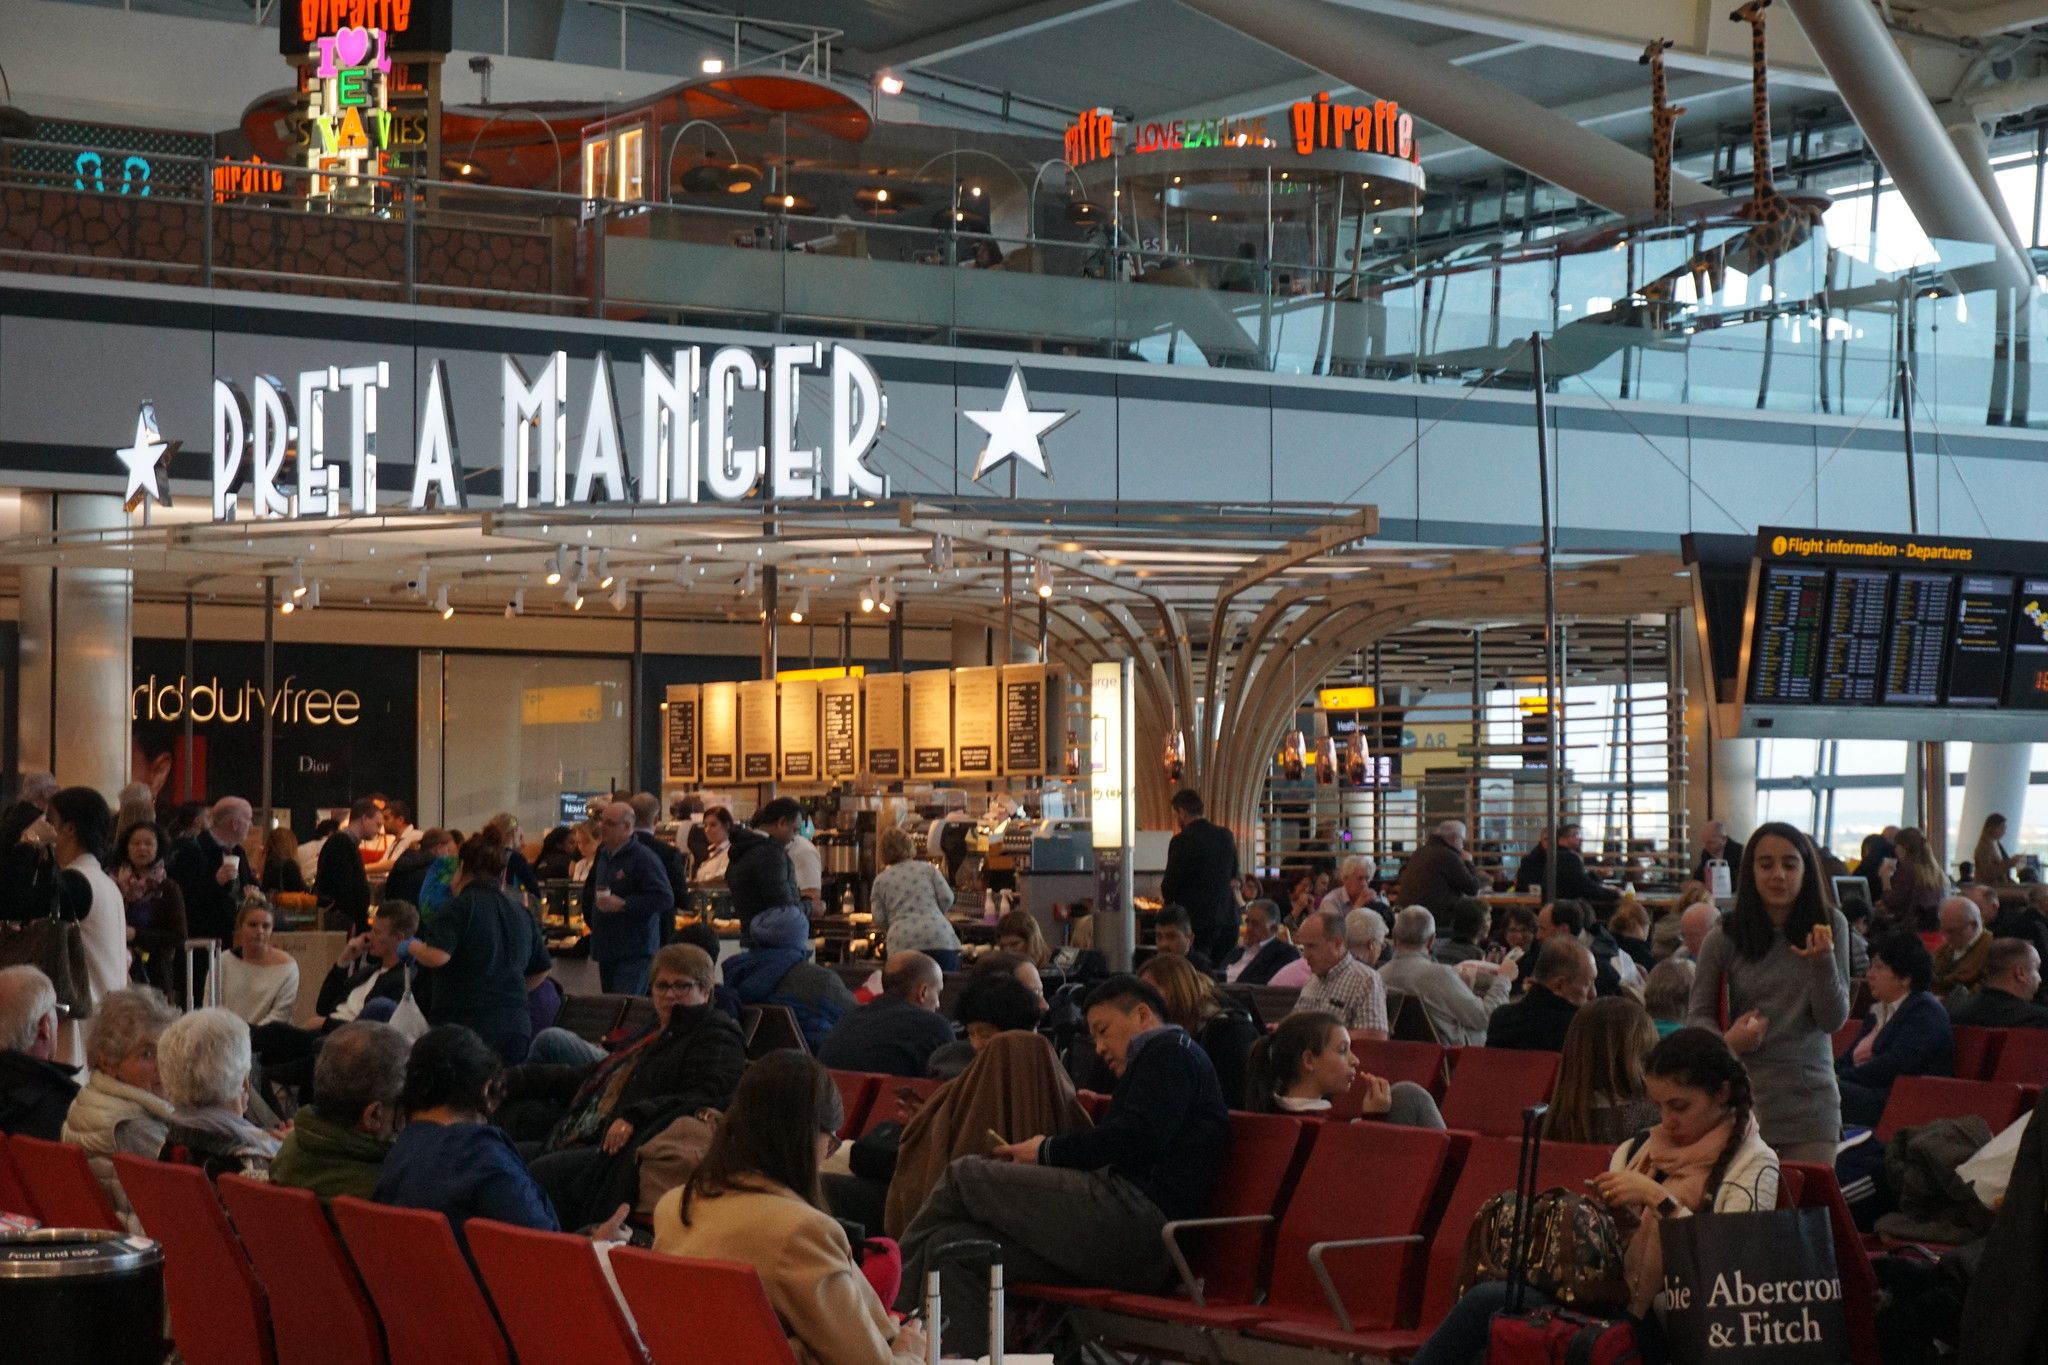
[(1790, 610), (799, 745), (1024, 696), (1853, 646), (839, 728), (931, 723), (977, 721), (2027, 684), (679, 734), (1983, 620), (885, 737), (721, 731), (757, 731), (1913, 652)]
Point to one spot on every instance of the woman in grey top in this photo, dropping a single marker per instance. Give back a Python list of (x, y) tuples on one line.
[(909, 901), (1781, 958)]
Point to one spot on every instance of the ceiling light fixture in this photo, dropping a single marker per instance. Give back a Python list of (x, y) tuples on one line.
[(419, 581), (442, 604), (573, 597), (604, 568), (713, 66), (889, 84), (870, 595), (802, 607), (888, 602), (619, 596), (313, 595), (555, 570), (750, 580), (1041, 578), (287, 607), (298, 578)]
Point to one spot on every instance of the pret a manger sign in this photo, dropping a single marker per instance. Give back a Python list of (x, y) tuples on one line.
[(307, 447)]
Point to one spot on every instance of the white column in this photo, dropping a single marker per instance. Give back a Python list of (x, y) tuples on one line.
[(1731, 785), (1996, 784), (77, 670)]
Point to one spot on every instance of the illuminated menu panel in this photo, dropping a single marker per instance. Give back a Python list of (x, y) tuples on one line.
[(1977, 666), (1853, 645), (1790, 612), (2027, 684), (1915, 648)]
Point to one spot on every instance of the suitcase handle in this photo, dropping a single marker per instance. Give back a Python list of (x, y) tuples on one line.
[(969, 1251), (1525, 1195)]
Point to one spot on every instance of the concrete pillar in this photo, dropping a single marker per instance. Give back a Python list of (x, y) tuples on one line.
[(76, 669), (1995, 784), (1731, 785)]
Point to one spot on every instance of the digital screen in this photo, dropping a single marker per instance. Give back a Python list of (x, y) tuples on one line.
[(1983, 616), (2026, 684), (1790, 612), (1852, 648), (1913, 651)]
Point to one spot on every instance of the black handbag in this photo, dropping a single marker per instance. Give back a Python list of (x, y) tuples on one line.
[(1753, 1289), (40, 908)]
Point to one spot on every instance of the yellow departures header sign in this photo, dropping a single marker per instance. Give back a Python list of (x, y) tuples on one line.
[(1793, 546)]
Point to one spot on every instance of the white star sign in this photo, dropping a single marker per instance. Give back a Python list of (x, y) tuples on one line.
[(148, 462), (1014, 430)]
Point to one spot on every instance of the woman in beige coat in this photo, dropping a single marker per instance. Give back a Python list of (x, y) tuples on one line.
[(755, 1199)]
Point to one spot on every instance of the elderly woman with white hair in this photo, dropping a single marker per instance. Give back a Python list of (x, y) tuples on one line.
[(123, 1094), (203, 1061)]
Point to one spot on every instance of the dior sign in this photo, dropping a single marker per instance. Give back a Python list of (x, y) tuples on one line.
[(308, 447)]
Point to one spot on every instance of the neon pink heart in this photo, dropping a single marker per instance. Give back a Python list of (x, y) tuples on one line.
[(351, 45)]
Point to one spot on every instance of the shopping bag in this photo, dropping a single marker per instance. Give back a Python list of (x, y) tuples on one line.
[(409, 1019), (1752, 1289)]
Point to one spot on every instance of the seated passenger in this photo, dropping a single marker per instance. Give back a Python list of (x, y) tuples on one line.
[(1305, 1063), (370, 977), (1906, 1033), (896, 1033), (1668, 993), (2004, 997), (203, 1060), (1964, 944), (1014, 1085), (1562, 984), (122, 1084), (1458, 1015), (755, 1199), (1155, 1156), (1002, 994), (259, 982), (1174, 935), (1261, 951), (449, 1156), (1704, 1154), (1338, 981), (777, 970), (691, 1060), (1599, 1092), (1223, 1027), (1018, 932), (338, 1142)]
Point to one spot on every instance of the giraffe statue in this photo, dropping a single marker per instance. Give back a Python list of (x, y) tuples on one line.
[(1663, 120), (1778, 223)]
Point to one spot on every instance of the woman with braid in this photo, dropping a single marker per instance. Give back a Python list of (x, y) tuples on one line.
[(1703, 1155)]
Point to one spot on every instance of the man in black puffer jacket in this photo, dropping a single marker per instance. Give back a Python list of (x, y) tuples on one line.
[(759, 876)]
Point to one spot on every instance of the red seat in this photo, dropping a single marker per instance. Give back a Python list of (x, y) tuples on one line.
[(1490, 1087), (1093, 1102), (1922, 1099), (552, 1295), (14, 1195), (1223, 1253), (1819, 1190), (60, 1180), (700, 1312), (1490, 1167), (2023, 1058), (219, 1315), (1977, 1051), (883, 1110), (322, 1316), (432, 1308), (1845, 1037), (1391, 1060), (857, 1092)]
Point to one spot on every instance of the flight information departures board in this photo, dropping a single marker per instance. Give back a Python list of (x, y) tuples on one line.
[(1864, 635)]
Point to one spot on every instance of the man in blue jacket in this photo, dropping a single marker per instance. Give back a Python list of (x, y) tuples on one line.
[(625, 902), (1084, 1208)]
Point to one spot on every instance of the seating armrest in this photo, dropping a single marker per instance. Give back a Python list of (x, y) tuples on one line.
[(1315, 1261), (1171, 1234)]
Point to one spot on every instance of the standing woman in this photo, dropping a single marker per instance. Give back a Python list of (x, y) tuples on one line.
[(1774, 982), (281, 873), (154, 906), (85, 830), (909, 901), (1913, 896), (1991, 864), (486, 953)]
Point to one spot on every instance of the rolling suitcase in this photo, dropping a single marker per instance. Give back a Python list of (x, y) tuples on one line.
[(1520, 1335), (968, 1251)]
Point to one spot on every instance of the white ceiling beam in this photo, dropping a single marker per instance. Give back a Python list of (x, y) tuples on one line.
[(1705, 40), (945, 44), (2013, 16), (1463, 50), (1609, 108)]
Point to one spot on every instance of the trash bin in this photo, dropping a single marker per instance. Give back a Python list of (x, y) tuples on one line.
[(73, 1296)]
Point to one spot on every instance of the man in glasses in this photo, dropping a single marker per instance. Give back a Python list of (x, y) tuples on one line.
[(624, 902)]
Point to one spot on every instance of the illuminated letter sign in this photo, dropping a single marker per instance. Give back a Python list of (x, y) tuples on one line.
[(1378, 127)]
